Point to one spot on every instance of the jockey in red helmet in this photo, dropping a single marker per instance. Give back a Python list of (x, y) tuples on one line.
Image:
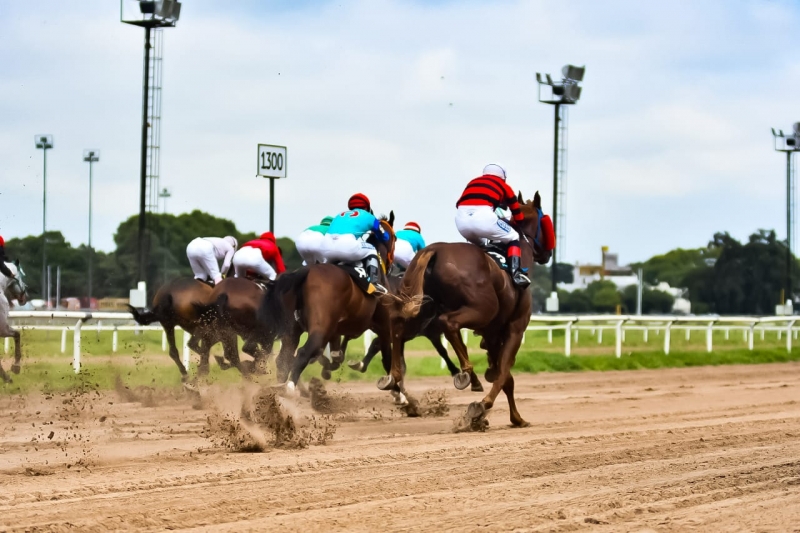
[(257, 256), (476, 219), (346, 240)]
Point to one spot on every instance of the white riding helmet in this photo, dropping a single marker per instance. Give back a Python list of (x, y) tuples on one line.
[(232, 241), (494, 170)]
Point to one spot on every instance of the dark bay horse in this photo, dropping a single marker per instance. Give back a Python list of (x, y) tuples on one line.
[(463, 287), (323, 300), (173, 305), (418, 326), (232, 307), (12, 289)]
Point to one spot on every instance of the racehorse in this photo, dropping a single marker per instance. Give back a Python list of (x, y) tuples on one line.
[(426, 327), (11, 289), (324, 300), (463, 287), (173, 306), (232, 306)]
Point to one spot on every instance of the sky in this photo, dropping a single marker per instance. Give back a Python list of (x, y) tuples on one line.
[(406, 101)]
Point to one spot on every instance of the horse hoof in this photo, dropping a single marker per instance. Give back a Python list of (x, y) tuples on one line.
[(490, 375), (358, 366), (520, 423), (291, 388), (477, 387), (191, 387), (337, 357), (461, 380), (399, 398), (16, 368), (326, 374), (386, 382)]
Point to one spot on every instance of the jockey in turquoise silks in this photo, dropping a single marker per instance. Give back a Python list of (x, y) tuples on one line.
[(346, 240), (409, 242)]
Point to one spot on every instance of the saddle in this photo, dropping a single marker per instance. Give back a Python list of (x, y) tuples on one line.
[(359, 276), (497, 251)]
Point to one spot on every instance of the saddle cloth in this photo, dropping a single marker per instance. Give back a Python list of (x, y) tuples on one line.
[(359, 275), (497, 251)]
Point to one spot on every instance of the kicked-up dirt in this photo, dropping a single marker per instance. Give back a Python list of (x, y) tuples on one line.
[(697, 449)]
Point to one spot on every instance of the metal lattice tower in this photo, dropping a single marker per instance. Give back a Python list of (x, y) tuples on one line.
[(154, 120), (561, 222)]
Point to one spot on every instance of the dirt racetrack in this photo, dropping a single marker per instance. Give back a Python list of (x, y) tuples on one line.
[(704, 449)]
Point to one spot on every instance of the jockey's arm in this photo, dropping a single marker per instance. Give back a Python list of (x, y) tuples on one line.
[(226, 263)]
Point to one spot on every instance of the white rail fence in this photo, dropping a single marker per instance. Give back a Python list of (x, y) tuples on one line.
[(572, 325)]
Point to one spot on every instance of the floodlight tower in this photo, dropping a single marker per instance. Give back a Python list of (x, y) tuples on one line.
[(152, 15), (44, 143), (788, 143), (90, 156), (558, 94)]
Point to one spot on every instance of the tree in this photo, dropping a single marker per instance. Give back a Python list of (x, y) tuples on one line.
[(673, 266)]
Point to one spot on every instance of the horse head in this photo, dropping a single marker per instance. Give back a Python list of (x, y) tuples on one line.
[(386, 249), (531, 228), (15, 288)]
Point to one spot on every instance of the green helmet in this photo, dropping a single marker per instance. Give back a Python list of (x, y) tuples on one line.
[(326, 221)]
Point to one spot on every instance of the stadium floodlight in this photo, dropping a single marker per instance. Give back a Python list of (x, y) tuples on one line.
[(789, 144), (565, 92), (44, 143), (90, 156), (151, 14)]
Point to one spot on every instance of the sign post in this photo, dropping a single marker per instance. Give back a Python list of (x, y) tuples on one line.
[(271, 164)]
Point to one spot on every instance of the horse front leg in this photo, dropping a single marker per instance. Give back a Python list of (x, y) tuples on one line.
[(169, 330), (15, 368)]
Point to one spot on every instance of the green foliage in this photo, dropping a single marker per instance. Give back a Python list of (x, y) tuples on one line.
[(672, 267), (116, 273)]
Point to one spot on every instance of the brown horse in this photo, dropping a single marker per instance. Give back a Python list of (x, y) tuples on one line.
[(418, 326), (323, 300), (232, 306), (173, 306), (463, 287)]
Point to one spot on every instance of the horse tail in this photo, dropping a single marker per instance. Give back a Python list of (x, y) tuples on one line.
[(146, 317), (411, 293), (273, 316)]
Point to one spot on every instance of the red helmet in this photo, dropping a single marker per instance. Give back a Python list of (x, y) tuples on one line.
[(2, 242), (412, 226), (267, 236), (358, 201)]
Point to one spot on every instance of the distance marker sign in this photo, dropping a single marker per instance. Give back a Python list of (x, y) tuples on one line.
[(271, 161)]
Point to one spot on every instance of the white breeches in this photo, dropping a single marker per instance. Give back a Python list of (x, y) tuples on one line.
[(204, 263), (309, 246), (346, 248), (478, 222), (403, 253), (249, 258)]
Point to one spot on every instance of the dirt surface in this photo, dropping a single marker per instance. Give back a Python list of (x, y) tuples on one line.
[(704, 449)]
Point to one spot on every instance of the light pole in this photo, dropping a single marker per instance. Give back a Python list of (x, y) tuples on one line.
[(565, 92), (44, 143), (788, 143), (154, 14), (164, 194), (90, 156)]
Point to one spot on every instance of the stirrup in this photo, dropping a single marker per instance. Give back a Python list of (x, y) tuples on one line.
[(379, 288), (521, 280)]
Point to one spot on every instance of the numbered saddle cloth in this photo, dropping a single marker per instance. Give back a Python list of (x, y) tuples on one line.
[(497, 251), (359, 275)]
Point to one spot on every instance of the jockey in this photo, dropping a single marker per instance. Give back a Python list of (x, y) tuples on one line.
[(309, 242), (256, 256), (409, 242), (477, 220), (3, 268), (346, 239), (204, 254)]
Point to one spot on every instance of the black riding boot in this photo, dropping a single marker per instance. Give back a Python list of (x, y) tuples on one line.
[(374, 276), (517, 275)]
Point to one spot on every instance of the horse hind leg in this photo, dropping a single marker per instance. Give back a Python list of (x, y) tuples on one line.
[(310, 350), (173, 351), (508, 389)]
